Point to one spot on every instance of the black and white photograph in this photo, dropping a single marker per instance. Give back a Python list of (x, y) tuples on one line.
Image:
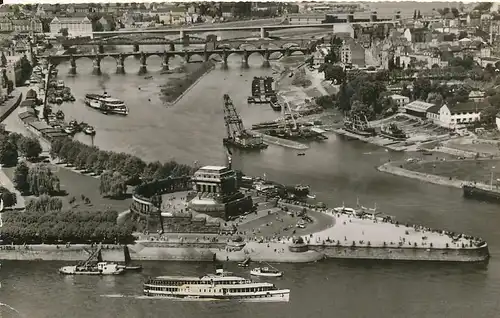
[(272, 159)]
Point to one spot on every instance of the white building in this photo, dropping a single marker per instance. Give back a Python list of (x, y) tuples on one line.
[(75, 26), (400, 100), (498, 121), (457, 116)]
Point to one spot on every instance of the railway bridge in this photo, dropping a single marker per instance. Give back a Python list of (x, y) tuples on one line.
[(166, 55)]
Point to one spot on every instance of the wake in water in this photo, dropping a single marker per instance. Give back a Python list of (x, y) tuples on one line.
[(253, 300), (11, 308)]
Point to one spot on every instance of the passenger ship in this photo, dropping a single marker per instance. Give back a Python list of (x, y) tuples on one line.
[(106, 104), (219, 286)]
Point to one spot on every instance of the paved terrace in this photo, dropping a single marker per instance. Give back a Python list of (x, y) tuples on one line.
[(349, 228)]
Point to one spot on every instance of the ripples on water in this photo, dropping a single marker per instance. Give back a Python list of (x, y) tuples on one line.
[(337, 170)]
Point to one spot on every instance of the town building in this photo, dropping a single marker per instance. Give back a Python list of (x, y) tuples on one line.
[(498, 121), (400, 100), (21, 25), (417, 108), (457, 116), (75, 26), (477, 96), (352, 53)]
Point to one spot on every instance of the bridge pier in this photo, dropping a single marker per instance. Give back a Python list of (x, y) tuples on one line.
[(245, 59), (225, 55), (263, 33), (266, 63), (97, 66), (206, 56), (185, 40), (187, 56), (288, 52), (172, 46), (72, 63), (142, 68), (136, 48), (164, 65), (120, 64), (100, 49)]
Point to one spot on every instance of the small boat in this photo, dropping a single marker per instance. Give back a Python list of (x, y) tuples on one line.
[(245, 262), (311, 196), (266, 272), (69, 130), (128, 266), (301, 154), (59, 100), (89, 130), (148, 77)]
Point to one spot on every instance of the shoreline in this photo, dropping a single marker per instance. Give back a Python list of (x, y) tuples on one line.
[(316, 246), (172, 103)]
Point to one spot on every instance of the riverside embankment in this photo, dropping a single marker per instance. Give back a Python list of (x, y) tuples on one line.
[(347, 237)]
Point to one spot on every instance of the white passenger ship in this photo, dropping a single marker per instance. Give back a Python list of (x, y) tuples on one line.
[(106, 104), (221, 286)]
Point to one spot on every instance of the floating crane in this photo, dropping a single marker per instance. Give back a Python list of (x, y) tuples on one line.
[(237, 135)]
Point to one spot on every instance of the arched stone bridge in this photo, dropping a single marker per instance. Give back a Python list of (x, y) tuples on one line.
[(166, 55), (262, 43), (135, 40)]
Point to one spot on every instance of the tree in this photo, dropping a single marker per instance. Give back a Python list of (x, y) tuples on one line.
[(8, 152), (9, 199), (30, 147), (488, 116), (64, 32), (3, 59), (112, 184), (333, 73), (98, 27), (21, 177), (41, 180)]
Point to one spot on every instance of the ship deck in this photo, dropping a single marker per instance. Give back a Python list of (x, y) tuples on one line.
[(348, 228)]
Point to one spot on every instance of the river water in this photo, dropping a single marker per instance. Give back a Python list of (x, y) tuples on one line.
[(337, 170)]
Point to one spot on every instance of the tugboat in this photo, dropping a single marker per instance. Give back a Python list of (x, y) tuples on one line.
[(90, 267), (245, 262)]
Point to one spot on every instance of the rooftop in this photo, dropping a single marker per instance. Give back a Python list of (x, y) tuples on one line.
[(419, 106), (214, 168), (469, 107)]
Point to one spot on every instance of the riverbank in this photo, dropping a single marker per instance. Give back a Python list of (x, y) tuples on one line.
[(349, 236), (10, 105), (176, 88)]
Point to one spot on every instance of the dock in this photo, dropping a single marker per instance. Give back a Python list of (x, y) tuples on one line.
[(375, 140), (283, 142)]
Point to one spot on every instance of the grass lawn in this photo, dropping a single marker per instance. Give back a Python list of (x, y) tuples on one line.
[(467, 170), (76, 184)]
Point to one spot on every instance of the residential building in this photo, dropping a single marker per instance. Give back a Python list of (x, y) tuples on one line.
[(477, 96), (319, 55), (106, 25), (417, 108), (20, 25), (400, 100), (460, 115), (176, 15), (78, 7), (75, 26), (352, 53), (433, 114), (498, 121)]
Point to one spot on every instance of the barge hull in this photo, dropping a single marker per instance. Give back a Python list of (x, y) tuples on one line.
[(472, 192)]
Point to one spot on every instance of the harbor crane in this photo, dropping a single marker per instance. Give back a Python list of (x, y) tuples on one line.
[(237, 135)]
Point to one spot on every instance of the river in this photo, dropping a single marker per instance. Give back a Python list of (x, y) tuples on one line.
[(337, 170)]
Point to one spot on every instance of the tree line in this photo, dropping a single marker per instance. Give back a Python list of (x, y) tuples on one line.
[(37, 180), (117, 170), (77, 227)]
